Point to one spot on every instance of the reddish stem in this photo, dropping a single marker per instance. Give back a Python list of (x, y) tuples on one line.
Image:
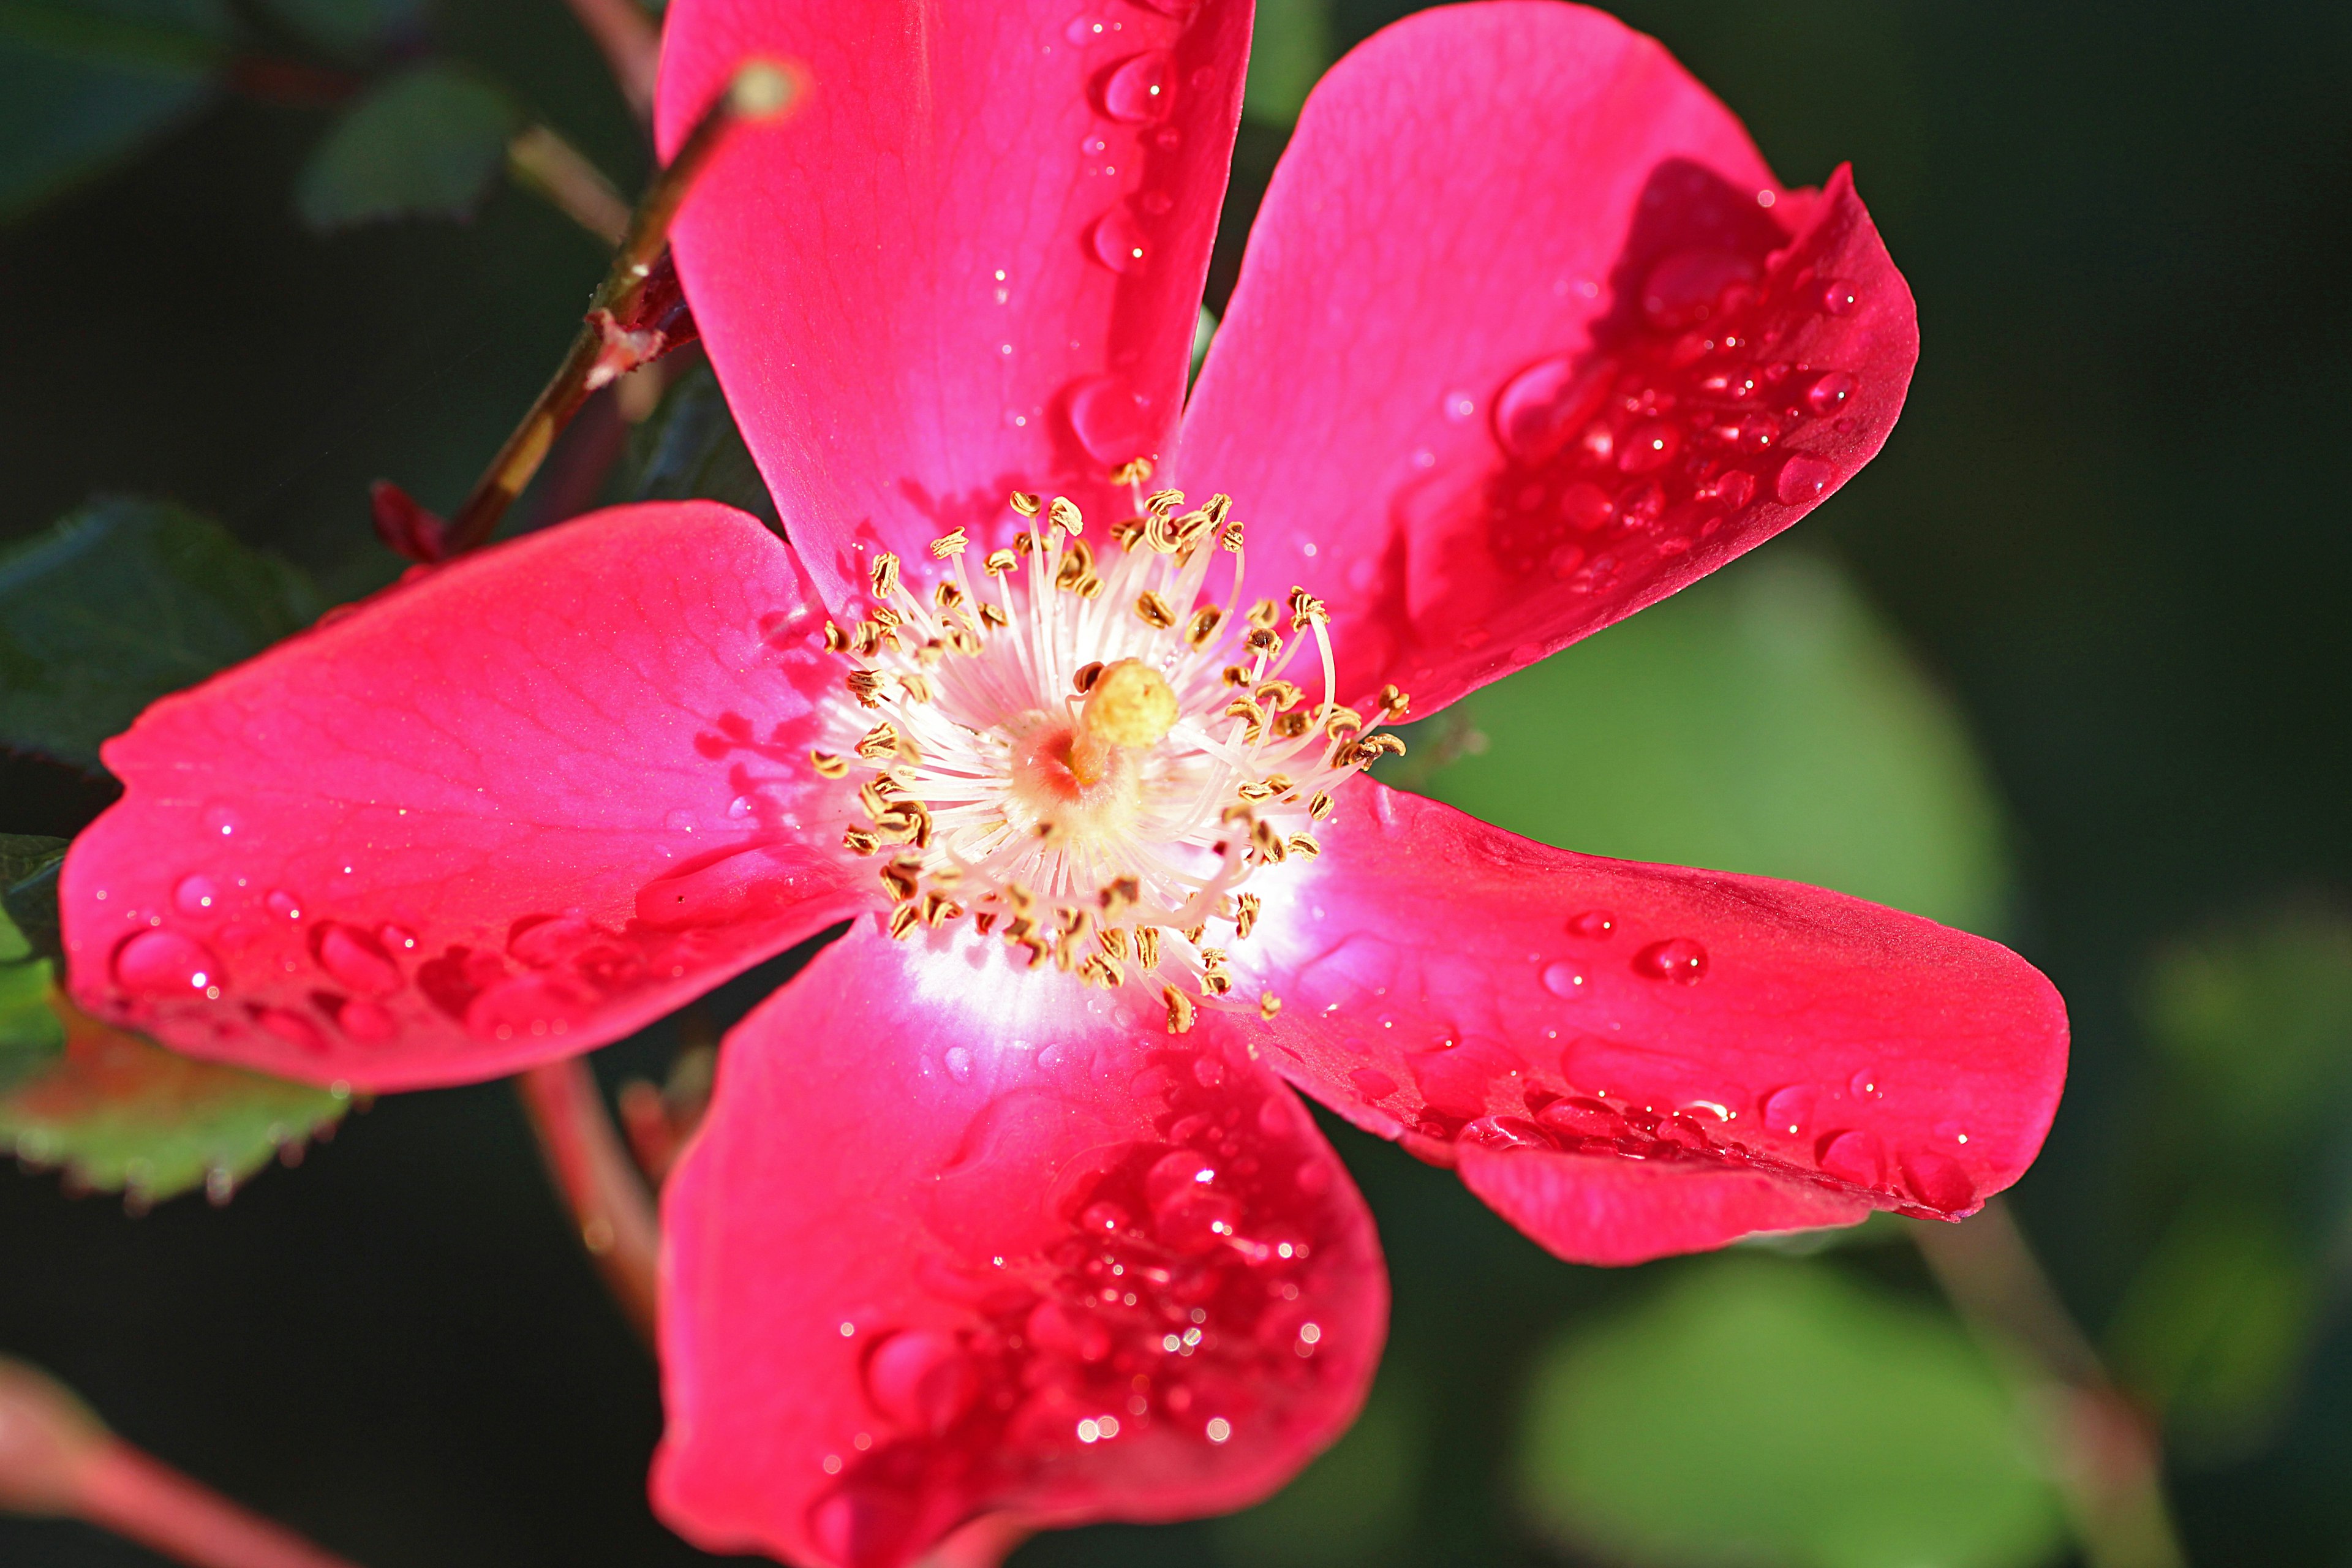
[(148, 1501), (591, 1170), (632, 46)]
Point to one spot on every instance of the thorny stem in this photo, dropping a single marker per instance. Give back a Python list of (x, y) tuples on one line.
[(57, 1459), (632, 46), (591, 1170), (760, 90), (2110, 1462)]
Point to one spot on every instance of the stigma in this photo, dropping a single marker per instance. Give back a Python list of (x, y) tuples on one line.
[(1089, 756)]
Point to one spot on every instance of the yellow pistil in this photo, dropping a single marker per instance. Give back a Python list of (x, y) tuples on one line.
[(1129, 704)]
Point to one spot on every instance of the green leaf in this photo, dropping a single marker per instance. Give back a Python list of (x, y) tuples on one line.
[(424, 143), (691, 450), (1772, 1415), (1290, 44), (1762, 720), (30, 1035), (352, 29), (1353, 1506), (118, 1114), (121, 602), (84, 82), (28, 893)]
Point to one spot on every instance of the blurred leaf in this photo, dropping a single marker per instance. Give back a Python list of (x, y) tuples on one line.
[(31, 1033), (353, 29), (121, 602), (29, 890), (83, 82), (1354, 1505), (424, 143), (1762, 720), (690, 449), (1778, 1414), (2214, 1326), (2256, 1021), (1290, 44), (122, 1115)]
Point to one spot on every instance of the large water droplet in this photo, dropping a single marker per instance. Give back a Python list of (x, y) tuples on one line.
[(1853, 1157), (1678, 959), (1833, 296), (1142, 90), (1581, 1118), (366, 1022), (1372, 1083), (1828, 392), (1504, 1132), (1109, 420), (1563, 980), (921, 1379), (1788, 1110), (165, 964), (355, 959), (1802, 480), (1940, 1181), (1735, 487), (1540, 409), (1119, 242), (1650, 445), (196, 897)]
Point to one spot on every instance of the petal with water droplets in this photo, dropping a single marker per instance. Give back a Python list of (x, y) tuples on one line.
[(1074, 1278), (476, 822), (1505, 366), (970, 261), (1744, 1054)]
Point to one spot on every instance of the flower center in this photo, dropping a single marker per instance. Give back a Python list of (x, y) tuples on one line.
[(1091, 759)]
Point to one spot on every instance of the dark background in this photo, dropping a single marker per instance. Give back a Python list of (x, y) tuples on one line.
[(2114, 524)]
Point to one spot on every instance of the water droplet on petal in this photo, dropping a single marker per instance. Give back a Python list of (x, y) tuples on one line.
[(1678, 959), (1504, 1132), (1581, 1118), (959, 1064), (1833, 297), (294, 1029), (1563, 980), (165, 964), (283, 904), (1542, 407), (1109, 420), (1119, 241), (921, 1379), (1372, 1083), (355, 959), (1142, 90), (1828, 392), (1788, 1110), (1853, 1157), (861, 1524), (196, 897), (366, 1022), (1865, 1085), (1940, 1181), (1647, 446), (1593, 925), (221, 821), (1682, 287), (1735, 487), (1802, 480)]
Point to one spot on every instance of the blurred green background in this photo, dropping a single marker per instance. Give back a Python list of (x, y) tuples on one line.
[(2070, 664)]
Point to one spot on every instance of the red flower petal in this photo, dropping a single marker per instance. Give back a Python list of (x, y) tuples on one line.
[(957, 1239), (1632, 1061), (510, 811), (969, 260), (1526, 338)]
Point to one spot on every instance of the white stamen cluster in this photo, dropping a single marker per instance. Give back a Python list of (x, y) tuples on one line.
[(1112, 838)]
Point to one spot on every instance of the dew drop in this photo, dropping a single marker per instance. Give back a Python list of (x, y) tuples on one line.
[(1460, 406), (355, 959), (1735, 487), (1593, 925), (1648, 445), (1788, 1110), (1683, 288), (1118, 241), (165, 964), (221, 821), (959, 1064), (1218, 1429), (397, 939), (293, 1028), (1563, 980), (1828, 392), (1852, 1157), (366, 1022), (1581, 1118), (1504, 1132), (1109, 420), (921, 1379), (1802, 480), (1678, 959), (1865, 1085), (196, 897), (1938, 1180), (1833, 297), (283, 904), (1142, 90), (1542, 407), (1372, 1083)]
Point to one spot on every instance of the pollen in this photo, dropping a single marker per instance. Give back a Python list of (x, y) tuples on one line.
[(1087, 754)]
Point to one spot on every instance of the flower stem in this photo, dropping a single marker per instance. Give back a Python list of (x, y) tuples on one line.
[(538, 158), (2110, 1461), (614, 341), (56, 1458), (591, 1170)]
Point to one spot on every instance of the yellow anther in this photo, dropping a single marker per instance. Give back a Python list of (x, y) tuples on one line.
[(1131, 704)]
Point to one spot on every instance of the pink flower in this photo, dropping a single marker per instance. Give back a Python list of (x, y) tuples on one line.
[(1012, 1213)]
